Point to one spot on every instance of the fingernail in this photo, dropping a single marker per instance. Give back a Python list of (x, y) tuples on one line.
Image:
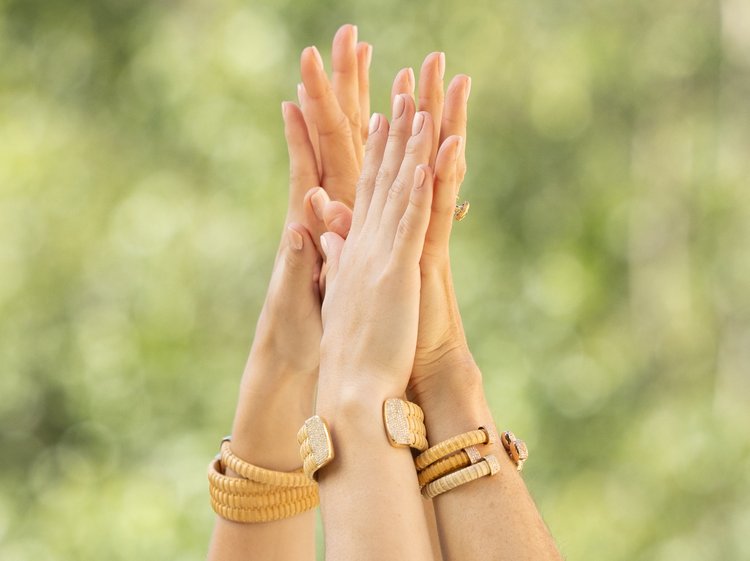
[(418, 123), (295, 239), (283, 108), (441, 65), (374, 122), (324, 244), (300, 92), (419, 177), (398, 106), (369, 55), (468, 87), (318, 201), (318, 58), (412, 81), (355, 34)]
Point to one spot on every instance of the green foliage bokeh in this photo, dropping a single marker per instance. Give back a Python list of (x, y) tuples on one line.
[(603, 272)]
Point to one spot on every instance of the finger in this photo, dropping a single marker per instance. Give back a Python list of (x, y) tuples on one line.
[(346, 80), (409, 240), (403, 83), (374, 150), (431, 92), (312, 130), (455, 117), (303, 172), (443, 201), (364, 59), (338, 218), (398, 136), (332, 245), (417, 152), (339, 167), (314, 203), (298, 263)]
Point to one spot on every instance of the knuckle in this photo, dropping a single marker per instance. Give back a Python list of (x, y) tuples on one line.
[(405, 228), (383, 175), (364, 182), (398, 187)]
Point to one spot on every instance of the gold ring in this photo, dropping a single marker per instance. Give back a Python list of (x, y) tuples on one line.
[(461, 211)]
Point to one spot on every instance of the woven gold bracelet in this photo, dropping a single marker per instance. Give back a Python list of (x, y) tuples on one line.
[(258, 474), (239, 492), (488, 466), (448, 464), (263, 514), (404, 424), (451, 445)]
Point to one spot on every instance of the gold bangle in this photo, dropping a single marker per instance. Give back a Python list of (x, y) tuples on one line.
[(315, 445), (226, 486), (444, 466), (451, 445), (489, 466), (404, 424), (258, 474), (263, 514), (264, 500), (515, 448)]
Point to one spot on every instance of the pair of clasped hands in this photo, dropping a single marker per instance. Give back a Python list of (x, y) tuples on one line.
[(389, 319)]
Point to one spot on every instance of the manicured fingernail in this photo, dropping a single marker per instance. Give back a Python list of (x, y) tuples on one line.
[(419, 177), (318, 201), (318, 58), (369, 55), (412, 81), (398, 106), (418, 123), (441, 65), (324, 244), (374, 122), (295, 239), (300, 92), (283, 108), (355, 34), (468, 87)]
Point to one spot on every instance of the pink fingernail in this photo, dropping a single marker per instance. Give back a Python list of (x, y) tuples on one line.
[(441, 65), (369, 55), (468, 87), (412, 80), (374, 122), (418, 123), (398, 106), (295, 239), (324, 244), (318, 201), (419, 177), (355, 34), (318, 58)]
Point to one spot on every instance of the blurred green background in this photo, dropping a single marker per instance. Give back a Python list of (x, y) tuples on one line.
[(603, 272)]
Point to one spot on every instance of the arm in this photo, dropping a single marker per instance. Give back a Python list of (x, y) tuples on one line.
[(370, 501), (277, 389)]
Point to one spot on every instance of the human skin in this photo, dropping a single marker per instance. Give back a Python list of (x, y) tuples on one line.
[(278, 384), (367, 350)]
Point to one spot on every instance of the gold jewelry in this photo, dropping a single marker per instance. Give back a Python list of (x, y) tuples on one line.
[(258, 474), (489, 466), (515, 448), (404, 424), (461, 211), (315, 445), (258, 494), (458, 460), (451, 445)]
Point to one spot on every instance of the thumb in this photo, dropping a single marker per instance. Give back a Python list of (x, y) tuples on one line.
[(332, 245), (338, 218), (297, 263)]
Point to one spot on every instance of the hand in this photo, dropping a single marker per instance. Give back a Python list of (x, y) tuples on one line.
[(441, 344), (371, 309)]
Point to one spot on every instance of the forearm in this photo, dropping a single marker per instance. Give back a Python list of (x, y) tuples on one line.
[(456, 405), (273, 404), (370, 501)]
